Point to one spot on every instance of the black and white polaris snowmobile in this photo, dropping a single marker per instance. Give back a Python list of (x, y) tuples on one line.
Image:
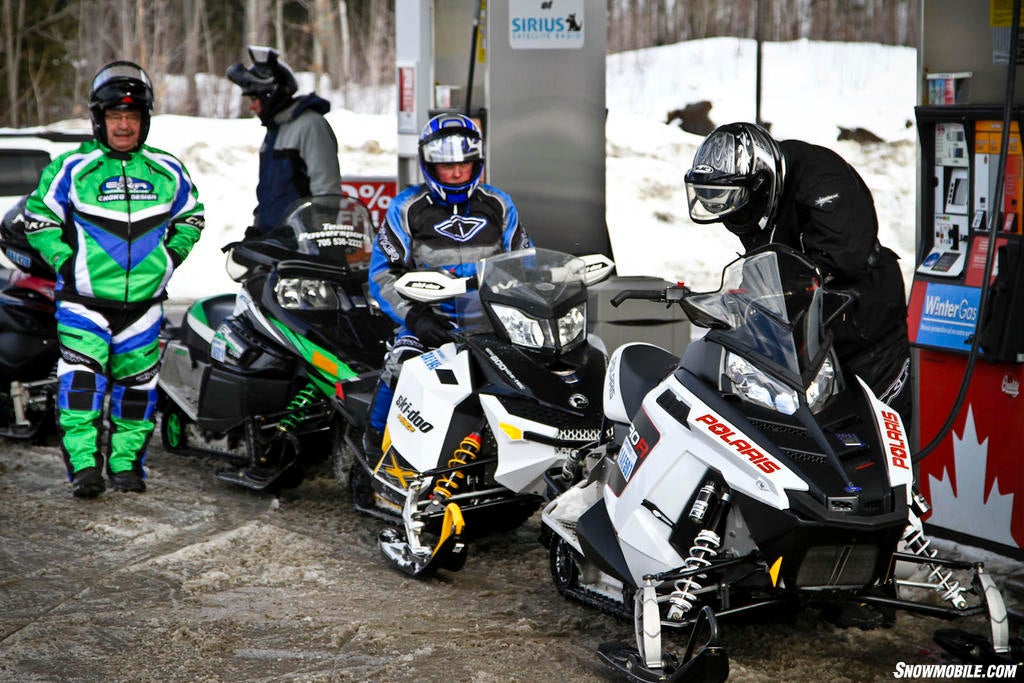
[(752, 473), (253, 380), (475, 423)]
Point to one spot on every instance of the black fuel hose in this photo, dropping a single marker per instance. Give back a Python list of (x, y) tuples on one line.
[(472, 59)]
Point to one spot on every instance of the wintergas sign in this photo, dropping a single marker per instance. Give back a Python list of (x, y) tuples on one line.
[(946, 315), (546, 24)]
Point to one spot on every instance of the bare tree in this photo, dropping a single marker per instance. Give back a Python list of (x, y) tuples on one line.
[(193, 10), (257, 15), (52, 48), (344, 65), (13, 16), (279, 41), (381, 41)]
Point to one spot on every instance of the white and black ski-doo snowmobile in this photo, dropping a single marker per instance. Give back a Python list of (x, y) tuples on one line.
[(475, 424), (752, 473), (252, 377)]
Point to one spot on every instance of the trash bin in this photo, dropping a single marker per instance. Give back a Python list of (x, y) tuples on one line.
[(636, 320)]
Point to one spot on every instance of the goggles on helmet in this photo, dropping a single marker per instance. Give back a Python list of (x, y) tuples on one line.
[(252, 85), (119, 72), (121, 86), (710, 203), (452, 148)]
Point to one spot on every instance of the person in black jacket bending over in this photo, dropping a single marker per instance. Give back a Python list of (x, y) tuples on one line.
[(808, 198)]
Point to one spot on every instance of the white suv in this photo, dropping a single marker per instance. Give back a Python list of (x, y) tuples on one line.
[(24, 154)]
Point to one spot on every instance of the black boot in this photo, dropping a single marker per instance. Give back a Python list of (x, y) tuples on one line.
[(87, 483), (129, 480)]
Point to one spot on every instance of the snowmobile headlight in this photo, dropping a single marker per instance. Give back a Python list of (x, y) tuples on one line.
[(822, 387), (305, 294), (755, 386), (572, 324), (521, 328), (532, 333)]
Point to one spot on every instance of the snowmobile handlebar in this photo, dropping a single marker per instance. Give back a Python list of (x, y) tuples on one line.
[(299, 267), (244, 256), (668, 296)]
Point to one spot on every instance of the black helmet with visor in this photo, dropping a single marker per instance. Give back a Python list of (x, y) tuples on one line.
[(120, 85), (269, 78), (736, 178)]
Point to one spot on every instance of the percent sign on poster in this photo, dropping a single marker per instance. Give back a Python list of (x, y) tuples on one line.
[(376, 193)]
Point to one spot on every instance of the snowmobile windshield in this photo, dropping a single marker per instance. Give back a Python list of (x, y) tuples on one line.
[(535, 298), (772, 303), (335, 229)]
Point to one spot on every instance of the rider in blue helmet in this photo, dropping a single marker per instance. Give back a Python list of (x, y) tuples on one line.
[(451, 139), (450, 221)]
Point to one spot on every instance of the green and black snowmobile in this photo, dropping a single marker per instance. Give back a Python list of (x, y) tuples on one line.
[(250, 377)]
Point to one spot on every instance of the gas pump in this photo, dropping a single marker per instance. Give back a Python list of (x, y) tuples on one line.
[(973, 476), (949, 245)]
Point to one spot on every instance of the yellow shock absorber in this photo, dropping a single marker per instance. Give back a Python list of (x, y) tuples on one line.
[(467, 451)]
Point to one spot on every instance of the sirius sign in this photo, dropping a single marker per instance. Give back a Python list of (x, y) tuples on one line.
[(546, 24)]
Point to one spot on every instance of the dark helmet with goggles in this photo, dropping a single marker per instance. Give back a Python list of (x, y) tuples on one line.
[(120, 85), (736, 178), (269, 78)]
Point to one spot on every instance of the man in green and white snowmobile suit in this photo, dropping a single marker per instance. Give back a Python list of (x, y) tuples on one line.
[(114, 218)]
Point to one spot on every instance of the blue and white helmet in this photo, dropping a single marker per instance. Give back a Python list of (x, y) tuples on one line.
[(451, 139)]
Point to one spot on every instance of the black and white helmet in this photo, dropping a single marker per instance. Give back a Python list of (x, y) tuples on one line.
[(120, 85), (736, 178), (269, 78)]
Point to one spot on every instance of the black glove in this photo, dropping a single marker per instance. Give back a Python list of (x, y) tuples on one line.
[(432, 328)]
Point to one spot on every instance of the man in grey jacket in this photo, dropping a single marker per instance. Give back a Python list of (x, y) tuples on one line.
[(299, 155)]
